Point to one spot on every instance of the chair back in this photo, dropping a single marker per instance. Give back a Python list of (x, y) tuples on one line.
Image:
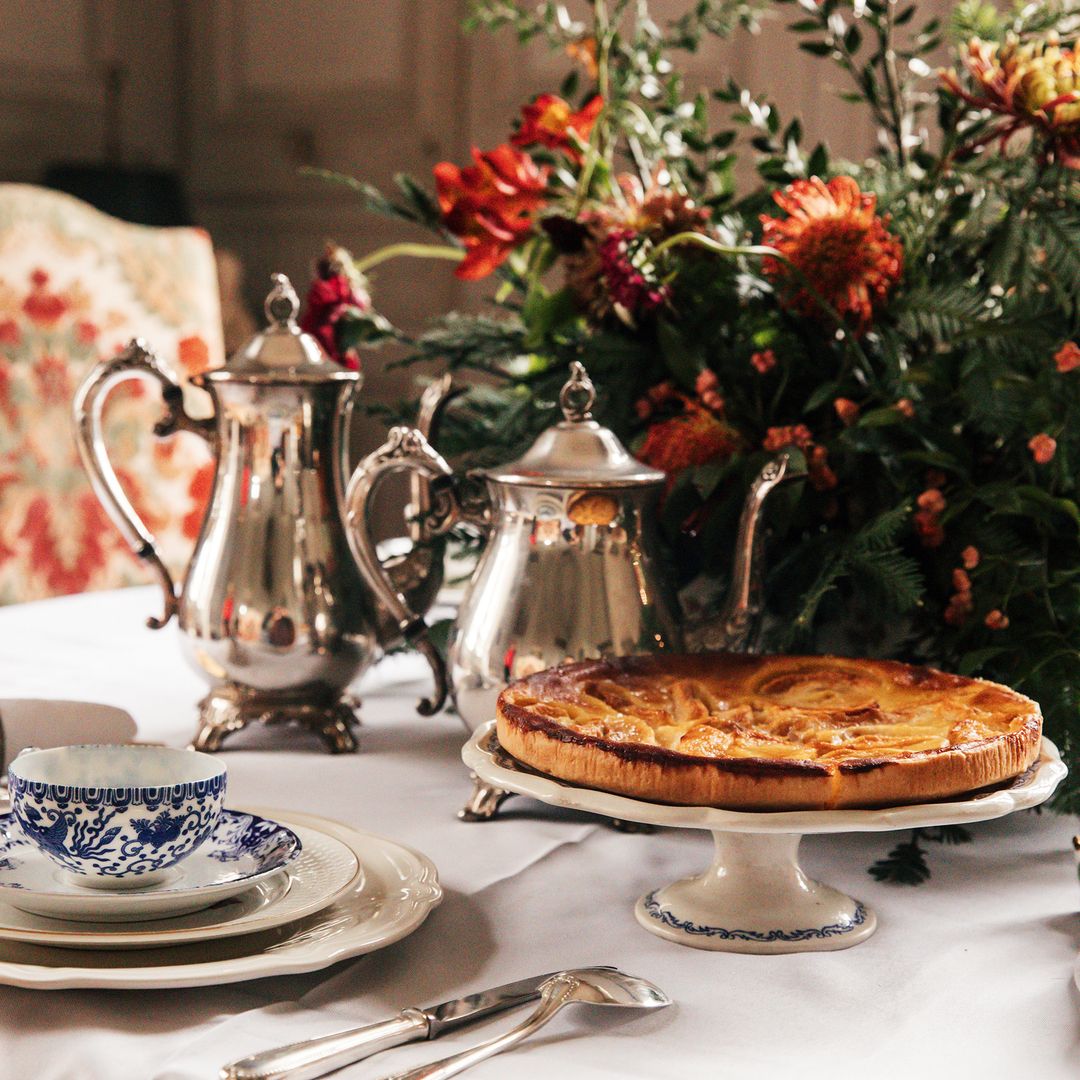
[(75, 286)]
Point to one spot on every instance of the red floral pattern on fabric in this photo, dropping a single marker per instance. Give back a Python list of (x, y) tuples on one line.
[(75, 286)]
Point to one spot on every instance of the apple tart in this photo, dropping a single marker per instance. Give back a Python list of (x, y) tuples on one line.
[(768, 732)]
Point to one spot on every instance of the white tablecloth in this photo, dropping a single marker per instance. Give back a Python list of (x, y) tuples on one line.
[(968, 975)]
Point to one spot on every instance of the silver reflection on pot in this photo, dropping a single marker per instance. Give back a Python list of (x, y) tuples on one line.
[(274, 612)]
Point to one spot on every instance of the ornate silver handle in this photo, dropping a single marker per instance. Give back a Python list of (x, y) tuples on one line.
[(557, 993), (405, 449), (136, 359), (316, 1057)]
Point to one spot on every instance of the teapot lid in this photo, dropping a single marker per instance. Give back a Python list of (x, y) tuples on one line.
[(282, 352), (577, 452)]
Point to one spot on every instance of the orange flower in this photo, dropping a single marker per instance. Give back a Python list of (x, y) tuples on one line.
[(932, 501), (959, 608), (970, 557), (1033, 84), (1067, 357), (834, 238), (997, 620), (693, 437), (960, 581), (846, 410), (905, 407), (584, 52), (1042, 448), (551, 122), (821, 476), (776, 438), (489, 205), (763, 362)]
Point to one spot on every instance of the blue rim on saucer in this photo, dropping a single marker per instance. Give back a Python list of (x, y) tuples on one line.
[(242, 850)]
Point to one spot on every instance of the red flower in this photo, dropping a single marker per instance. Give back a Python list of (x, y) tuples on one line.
[(960, 581), (833, 237), (629, 277), (693, 437), (905, 407), (997, 620), (1067, 357), (86, 332), (1042, 447), (706, 387), (489, 205), (763, 362), (970, 557), (550, 122), (9, 332), (776, 438), (333, 293), (41, 306)]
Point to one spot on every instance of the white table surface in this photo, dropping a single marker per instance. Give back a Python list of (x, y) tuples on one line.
[(968, 975)]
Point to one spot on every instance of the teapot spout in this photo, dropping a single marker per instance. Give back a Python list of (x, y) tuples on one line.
[(731, 629)]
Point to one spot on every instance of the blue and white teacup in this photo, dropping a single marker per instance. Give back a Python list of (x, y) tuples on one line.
[(117, 816)]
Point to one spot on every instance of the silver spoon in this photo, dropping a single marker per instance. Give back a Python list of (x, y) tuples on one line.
[(589, 986)]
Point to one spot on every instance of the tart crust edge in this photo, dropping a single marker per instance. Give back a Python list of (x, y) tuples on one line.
[(657, 775)]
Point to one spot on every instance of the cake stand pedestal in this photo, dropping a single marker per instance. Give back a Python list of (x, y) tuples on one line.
[(755, 897)]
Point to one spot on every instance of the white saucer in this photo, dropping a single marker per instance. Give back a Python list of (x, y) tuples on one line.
[(325, 869), (243, 850), (397, 891)]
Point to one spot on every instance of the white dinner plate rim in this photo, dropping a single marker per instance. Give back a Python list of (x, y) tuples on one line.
[(184, 901), (287, 957), (273, 915), (1032, 789)]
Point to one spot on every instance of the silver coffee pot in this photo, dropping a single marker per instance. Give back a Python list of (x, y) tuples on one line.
[(570, 569), (274, 611)]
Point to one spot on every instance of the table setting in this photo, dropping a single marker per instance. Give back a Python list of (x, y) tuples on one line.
[(715, 713)]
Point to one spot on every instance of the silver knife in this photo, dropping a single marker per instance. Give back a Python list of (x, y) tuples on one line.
[(316, 1057)]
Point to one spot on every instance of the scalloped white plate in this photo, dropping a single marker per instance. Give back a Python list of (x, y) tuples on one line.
[(325, 869), (397, 891), (483, 754)]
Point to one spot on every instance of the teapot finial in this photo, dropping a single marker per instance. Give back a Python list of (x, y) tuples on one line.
[(578, 394), (282, 304)]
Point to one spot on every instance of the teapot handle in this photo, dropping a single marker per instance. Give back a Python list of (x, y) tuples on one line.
[(405, 449), (136, 359)]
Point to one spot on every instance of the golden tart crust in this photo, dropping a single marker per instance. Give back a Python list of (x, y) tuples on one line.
[(768, 732)]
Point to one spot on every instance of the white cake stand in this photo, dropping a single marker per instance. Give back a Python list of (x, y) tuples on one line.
[(755, 898)]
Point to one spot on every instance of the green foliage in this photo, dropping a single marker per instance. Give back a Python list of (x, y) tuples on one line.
[(951, 381)]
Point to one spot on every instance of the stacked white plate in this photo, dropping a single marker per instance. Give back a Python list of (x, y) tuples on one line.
[(270, 893)]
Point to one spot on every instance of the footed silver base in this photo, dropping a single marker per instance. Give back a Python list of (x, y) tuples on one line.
[(229, 709)]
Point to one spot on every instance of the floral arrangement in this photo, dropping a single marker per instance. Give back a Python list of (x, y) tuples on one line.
[(907, 326)]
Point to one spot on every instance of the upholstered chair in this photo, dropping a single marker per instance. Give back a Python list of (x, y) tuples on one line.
[(76, 285)]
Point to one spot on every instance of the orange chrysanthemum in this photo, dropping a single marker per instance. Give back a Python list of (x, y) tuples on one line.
[(549, 121), (693, 437), (834, 238), (489, 205), (1035, 84)]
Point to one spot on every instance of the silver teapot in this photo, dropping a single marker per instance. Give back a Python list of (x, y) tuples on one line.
[(570, 569), (274, 611)]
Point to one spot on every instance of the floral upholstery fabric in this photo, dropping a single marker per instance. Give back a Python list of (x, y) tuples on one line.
[(75, 286)]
